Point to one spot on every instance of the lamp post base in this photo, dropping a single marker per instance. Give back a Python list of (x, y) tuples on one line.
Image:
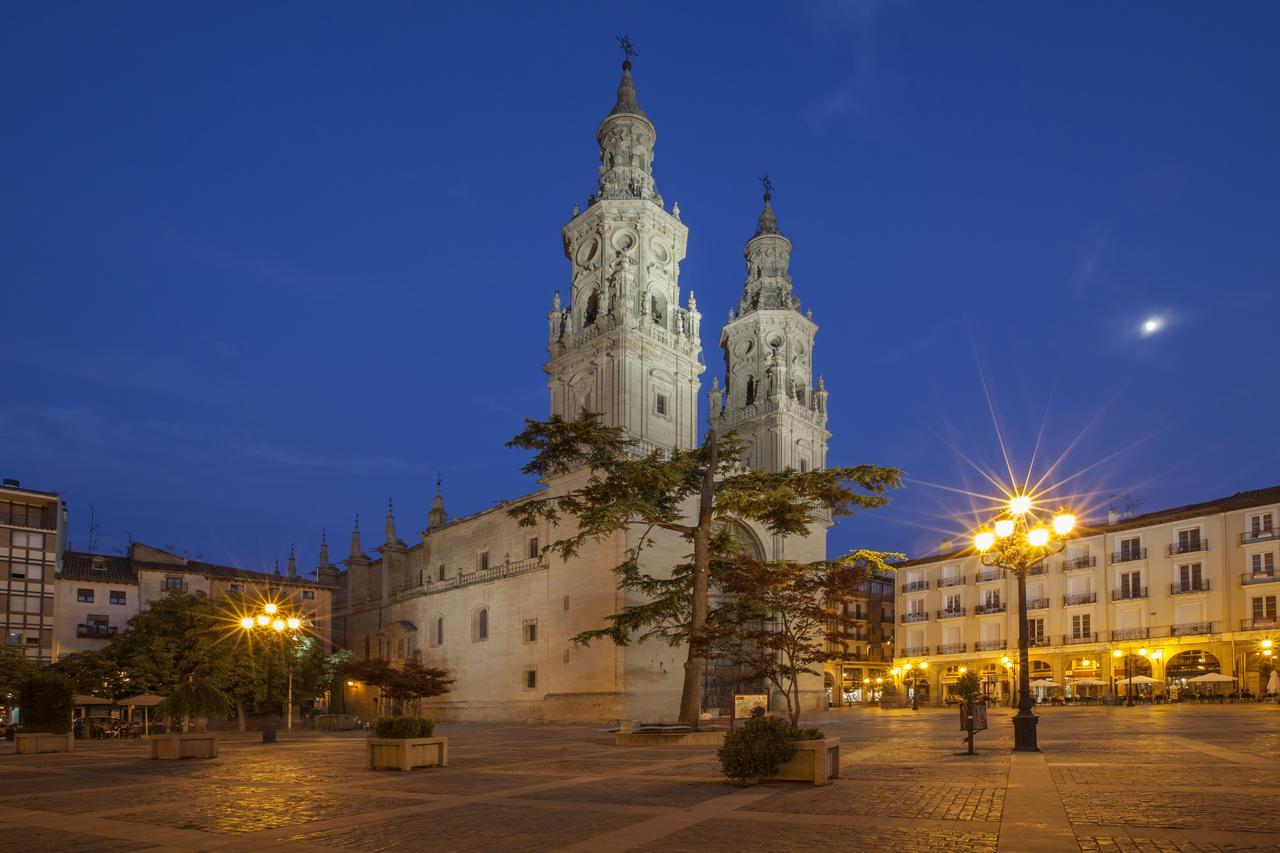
[(269, 733), (1024, 732)]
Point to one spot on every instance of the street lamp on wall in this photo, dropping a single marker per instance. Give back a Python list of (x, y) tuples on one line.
[(1015, 541)]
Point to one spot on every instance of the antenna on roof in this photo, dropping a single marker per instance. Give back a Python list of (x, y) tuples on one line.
[(93, 530)]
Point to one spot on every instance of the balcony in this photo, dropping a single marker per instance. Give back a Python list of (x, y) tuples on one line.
[(1042, 640), (914, 651), (96, 632), (953, 648), (1079, 598), (915, 586), (1258, 623), (955, 581), (1188, 629), (989, 575), (1265, 534), (988, 645), (953, 613), (1258, 577), (1038, 569), (1201, 585), (1079, 564), (1191, 547), (1038, 604), (1130, 556), (989, 607), (1131, 634), (919, 616), (1129, 594), (1082, 637)]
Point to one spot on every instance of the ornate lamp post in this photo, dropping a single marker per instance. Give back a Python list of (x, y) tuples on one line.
[(1015, 542), (273, 622)]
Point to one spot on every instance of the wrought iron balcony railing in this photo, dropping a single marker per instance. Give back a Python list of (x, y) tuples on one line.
[(1038, 569), (918, 616), (1129, 594), (989, 607), (915, 586), (1191, 547), (953, 648), (958, 580), (1129, 556), (951, 613), (1264, 534), (989, 575), (1256, 623), (1259, 577), (1076, 564), (1187, 629), (1079, 598), (1037, 604), (915, 651), (1081, 637), (1131, 634), (1042, 640), (988, 645), (97, 631), (1201, 585)]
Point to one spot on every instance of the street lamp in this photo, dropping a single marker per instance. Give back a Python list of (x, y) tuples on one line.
[(1017, 540), (272, 622)]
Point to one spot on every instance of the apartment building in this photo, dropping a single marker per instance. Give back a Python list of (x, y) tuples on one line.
[(97, 594), (864, 652), (32, 536), (1170, 595)]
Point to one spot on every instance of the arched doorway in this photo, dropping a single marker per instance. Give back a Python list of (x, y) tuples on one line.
[(721, 676), (1187, 665)]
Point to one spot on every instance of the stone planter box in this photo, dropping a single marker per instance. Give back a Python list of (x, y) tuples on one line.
[(816, 761), (408, 753), (34, 743), (174, 747)]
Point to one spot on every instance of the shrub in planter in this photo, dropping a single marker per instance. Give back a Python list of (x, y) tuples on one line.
[(760, 746), (404, 727), (45, 699)]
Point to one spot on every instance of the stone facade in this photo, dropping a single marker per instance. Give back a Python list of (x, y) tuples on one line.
[(479, 595)]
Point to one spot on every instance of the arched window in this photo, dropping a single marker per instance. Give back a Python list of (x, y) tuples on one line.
[(658, 309), (593, 308), (751, 390), (437, 631), (480, 625)]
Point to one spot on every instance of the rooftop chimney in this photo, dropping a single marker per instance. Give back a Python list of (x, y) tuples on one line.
[(1112, 516), (946, 546)]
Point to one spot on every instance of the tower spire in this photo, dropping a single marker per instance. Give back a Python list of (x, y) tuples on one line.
[(391, 523), (293, 562), (437, 518), (626, 138), (355, 539), (324, 548)]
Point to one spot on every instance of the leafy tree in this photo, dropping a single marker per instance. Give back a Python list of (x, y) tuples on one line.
[(171, 642), (45, 700), (92, 673), (692, 493), (781, 618), (403, 685), (968, 687), (15, 668), (194, 698)]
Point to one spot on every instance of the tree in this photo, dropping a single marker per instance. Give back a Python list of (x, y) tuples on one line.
[(692, 493), (781, 618), (91, 673), (968, 687), (194, 698), (403, 685), (45, 700), (176, 638), (15, 668)]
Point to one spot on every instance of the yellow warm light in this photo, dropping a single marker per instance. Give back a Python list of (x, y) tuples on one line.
[(924, 664), (351, 684), (963, 670), (879, 681), (1085, 663), (1038, 536), (984, 540), (246, 622), (1157, 654), (294, 623), (1004, 528), (1064, 523), (270, 607), (263, 620), (1020, 505), (1117, 654), (278, 625), (1266, 644), (1004, 660), (894, 671)]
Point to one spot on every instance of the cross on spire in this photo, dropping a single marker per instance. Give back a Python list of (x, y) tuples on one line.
[(628, 49), (768, 186)]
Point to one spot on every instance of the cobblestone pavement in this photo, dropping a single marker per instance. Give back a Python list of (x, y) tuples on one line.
[(1110, 780)]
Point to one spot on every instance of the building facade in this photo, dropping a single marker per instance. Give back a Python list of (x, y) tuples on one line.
[(32, 537), (480, 596), (98, 594), (860, 661), (1169, 595)]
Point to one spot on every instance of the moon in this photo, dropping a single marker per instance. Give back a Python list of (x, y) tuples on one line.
[(1152, 325)]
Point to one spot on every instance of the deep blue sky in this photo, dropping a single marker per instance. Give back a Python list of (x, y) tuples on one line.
[(265, 265)]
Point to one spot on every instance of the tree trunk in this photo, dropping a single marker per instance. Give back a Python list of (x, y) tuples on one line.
[(240, 721), (691, 695)]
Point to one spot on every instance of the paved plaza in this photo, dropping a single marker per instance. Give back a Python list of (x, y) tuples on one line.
[(1109, 779)]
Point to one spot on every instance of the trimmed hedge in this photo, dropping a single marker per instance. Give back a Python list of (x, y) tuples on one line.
[(404, 727), (760, 745), (45, 700)]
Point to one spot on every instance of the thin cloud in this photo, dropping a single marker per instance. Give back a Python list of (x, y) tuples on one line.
[(1089, 263)]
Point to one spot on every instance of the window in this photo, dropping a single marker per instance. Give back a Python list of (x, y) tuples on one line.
[(28, 540), (1035, 629), (98, 564), (1260, 525), (27, 571), (1264, 608), (991, 598), (531, 630), (951, 604), (308, 595), (117, 596), (660, 404), (566, 603), (915, 605), (437, 632), (1189, 540), (15, 638), (24, 604), (534, 551), (1131, 549), (440, 572), (530, 679), (1080, 625), (480, 625), (484, 560), (1131, 584), (1189, 576), (85, 595), (804, 466), (1263, 564), (171, 582)]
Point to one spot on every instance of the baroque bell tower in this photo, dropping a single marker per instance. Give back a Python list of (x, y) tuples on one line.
[(768, 396), (623, 346)]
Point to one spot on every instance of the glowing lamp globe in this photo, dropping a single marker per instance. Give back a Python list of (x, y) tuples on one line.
[(1004, 527), (984, 540), (1266, 644), (263, 620), (1117, 654), (1142, 652), (924, 664), (246, 622), (269, 607), (294, 623), (1020, 505), (1064, 523), (1038, 536), (278, 625)]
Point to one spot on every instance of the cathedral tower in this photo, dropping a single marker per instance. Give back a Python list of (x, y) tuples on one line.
[(768, 394), (623, 346)]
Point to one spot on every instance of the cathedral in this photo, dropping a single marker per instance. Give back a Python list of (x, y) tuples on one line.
[(479, 595)]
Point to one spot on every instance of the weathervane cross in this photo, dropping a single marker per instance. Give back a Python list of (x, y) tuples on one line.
[(767, 184), (628, 49)]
